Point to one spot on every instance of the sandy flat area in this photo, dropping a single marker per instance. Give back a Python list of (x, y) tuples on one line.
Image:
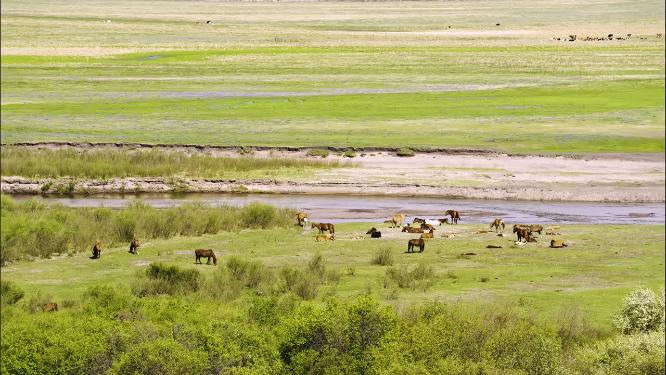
[(445, 173)]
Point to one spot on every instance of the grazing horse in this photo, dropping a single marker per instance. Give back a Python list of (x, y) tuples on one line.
[(50, 307), (415, 242), (409, 229), (302, 218), (455, 216), (134, 246), (325, 237), (397, 220), (374, 233), (97, 251), (497, 223), (324, 227), (204, 253)]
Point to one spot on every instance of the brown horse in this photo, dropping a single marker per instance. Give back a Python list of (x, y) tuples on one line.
[(204, 253), (134, 246), (409, 229), (324, 227), (427, 235), (302, 218), (535, 228), (397, 220), (522, 233), (497, 224), (455, 216), (325, 237), (556, 244), (50, 307), (415, 242), (97, 251)]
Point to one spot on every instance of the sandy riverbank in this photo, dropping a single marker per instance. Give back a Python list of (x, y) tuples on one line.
[(437, 172)]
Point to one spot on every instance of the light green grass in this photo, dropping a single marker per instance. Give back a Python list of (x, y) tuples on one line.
[(603, 263), (109, 163), (164, 77)]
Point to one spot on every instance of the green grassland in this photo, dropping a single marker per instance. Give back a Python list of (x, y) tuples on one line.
[(603, 263), (295, 77)]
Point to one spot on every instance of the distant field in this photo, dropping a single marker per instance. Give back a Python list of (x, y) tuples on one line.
[(321, 74), (602, 265)]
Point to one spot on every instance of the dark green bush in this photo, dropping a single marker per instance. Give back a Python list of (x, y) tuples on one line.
[(317, 152), (405, 152), (10, 293), (162, 356), (164, 279)]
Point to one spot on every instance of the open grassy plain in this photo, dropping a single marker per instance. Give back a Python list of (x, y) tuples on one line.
[(336, 74)]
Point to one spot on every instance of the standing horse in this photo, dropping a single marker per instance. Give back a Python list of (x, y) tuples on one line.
[(302, 218), (497, 224), (204, 253), (134, 246), (415, 242), (324, 227), (455, 216), (97, 251)]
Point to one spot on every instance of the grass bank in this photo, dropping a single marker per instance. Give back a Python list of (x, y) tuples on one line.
[(109, 163)]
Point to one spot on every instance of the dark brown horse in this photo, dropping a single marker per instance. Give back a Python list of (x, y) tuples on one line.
[(324, 227), (134, 246), (97, 251), (415, 242), (409, 229), (455, 216), (205, 253)]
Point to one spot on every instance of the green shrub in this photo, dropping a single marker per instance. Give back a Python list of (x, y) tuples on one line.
[(383, 257), (405, 152), (10, 293), (317, 152), (642, 311), (162, 356), (349, 154), (164, 279), (421, 277), (250, 273)]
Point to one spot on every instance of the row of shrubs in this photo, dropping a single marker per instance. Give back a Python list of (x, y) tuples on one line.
[(114, 331), (32, 229), (323, 153)]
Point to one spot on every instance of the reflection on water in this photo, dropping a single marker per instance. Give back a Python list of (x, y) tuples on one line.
[(340, 208)]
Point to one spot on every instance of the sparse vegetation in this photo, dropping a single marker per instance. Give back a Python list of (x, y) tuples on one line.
[(383, 257), (317, 152), (405, 152)]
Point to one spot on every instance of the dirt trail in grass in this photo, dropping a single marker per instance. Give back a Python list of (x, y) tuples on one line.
[(629, 178)]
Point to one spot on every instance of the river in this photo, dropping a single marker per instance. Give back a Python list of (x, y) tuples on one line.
[(342, 208)]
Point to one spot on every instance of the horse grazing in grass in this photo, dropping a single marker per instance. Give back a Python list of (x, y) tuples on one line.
[(134, 246), (324, 227), (455, 216), (497, 224), (205, 253), (50, 307), (415, 242)]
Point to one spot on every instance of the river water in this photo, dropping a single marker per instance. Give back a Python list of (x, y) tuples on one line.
[(342, 208)]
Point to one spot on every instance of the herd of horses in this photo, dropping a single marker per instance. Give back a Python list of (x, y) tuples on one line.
[(524, 232), (574, 37)]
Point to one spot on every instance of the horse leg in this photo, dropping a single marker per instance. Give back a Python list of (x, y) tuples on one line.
[(208, 262)]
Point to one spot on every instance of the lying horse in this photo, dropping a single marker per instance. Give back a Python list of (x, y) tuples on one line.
[(556, 244), (414, 242), (427, 235), (409, 229), (204, 253), (50, 307), (324, 227), (374, 233), (134, 246), (325, 237)]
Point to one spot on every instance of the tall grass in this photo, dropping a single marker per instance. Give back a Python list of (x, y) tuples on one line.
[(32, 229), (108, 163)]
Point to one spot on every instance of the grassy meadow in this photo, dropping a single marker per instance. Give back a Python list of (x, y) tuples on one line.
[(319, 74)]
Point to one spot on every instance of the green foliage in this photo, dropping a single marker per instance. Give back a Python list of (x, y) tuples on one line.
[(164, 279), (10, 293), (31, 229), (162, 356), (383, 257), (249, 273), (111, 162), (406, 152), (317, 152), (641, 353), (349, 154), (642, 311), (420, 277)]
